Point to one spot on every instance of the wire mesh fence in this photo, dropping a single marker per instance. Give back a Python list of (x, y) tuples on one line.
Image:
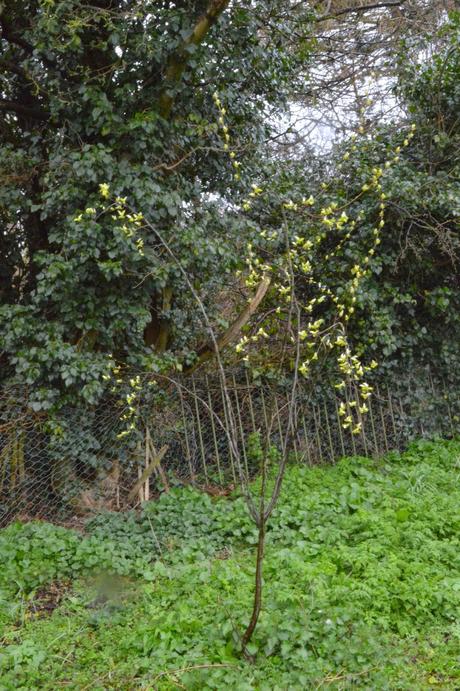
[(395, 417), (182, 437)]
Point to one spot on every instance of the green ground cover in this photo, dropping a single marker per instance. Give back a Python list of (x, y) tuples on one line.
[(362, 587)]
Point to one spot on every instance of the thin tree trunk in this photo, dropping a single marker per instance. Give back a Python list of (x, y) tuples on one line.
[(257, 606)]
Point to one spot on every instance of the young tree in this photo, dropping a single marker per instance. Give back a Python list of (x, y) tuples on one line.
[(296, 253)]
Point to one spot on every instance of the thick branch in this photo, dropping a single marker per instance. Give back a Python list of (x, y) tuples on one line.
[(362, 8), (11, 37), (8, 34), (12, 67), (165, 324), (19, 109), (234, 329), (178, 60)]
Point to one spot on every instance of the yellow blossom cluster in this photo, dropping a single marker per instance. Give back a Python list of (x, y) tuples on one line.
[(129, 223), (130, 403), (226, 136), (331, 218)]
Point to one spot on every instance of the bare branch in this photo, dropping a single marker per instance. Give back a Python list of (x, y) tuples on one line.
[(362, 8), (179, 59), (27, 111), (234, 329)]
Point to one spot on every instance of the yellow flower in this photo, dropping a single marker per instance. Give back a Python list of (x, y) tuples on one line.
[(104, 190), (304, 369)]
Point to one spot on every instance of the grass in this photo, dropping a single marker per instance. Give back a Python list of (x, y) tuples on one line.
[(362, 587)]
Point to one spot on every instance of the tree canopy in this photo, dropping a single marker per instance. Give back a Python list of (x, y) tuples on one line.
[(109, 119)]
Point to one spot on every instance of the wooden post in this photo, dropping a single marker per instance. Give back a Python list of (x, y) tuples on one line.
[(227, 425), (278, 417), (402, 411), (339, 423), (307, 444), (363, 433), (382, 418), (213, 428), (147, 459), (374, 434), (187, 444), (157, 458), (318, 436), (138, 486), (200, 434), (390, 406), (449, 409), (251, 407), (240, 425), (331, 444)]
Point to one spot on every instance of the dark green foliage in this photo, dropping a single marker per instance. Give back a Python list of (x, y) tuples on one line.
[(36, 553), (361, 582), (408, 310), (88, 101)]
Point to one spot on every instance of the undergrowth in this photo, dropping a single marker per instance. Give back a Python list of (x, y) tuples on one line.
[(362, 587)]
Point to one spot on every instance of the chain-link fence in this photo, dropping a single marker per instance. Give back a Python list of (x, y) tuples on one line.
[(186, 436)]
